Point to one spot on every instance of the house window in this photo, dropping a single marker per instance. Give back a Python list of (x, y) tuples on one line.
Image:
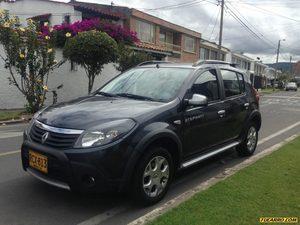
[(67, 19), (162, 37), (214, 55), (145, 31), (189, 44), (204, 53), (222, 57)]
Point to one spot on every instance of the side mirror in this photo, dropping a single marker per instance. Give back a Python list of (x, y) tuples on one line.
[(198, 100)]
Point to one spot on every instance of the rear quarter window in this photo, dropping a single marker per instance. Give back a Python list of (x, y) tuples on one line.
[(241, 82)]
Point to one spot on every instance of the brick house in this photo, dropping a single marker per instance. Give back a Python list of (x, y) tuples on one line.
[(163, 39)]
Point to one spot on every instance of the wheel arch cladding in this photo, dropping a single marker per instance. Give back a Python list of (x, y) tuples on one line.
[(256, 118), (163, 138)]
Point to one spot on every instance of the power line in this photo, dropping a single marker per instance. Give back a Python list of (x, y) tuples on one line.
[(169, 7), (241, 22), (210, 21), (269, 12), (215, 24), (253, 27)]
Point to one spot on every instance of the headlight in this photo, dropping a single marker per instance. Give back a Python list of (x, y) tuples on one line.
[(105, 133)]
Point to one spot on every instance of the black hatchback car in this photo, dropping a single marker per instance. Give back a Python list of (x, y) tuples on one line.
[(135, 132)]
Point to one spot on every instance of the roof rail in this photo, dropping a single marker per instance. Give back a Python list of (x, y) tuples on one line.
[(153, 62), (202, 62)]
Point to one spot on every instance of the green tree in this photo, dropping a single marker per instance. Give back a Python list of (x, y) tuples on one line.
[(29, 57), (92, 50), (129, 58)]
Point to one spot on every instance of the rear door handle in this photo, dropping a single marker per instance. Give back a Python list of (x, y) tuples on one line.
[(221, 113)]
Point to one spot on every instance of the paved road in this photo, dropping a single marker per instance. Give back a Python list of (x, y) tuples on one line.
[(26, 201)]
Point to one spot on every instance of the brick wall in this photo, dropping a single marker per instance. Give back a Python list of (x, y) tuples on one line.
[(178, 31)]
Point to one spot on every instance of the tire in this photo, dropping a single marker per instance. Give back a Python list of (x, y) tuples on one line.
[(249, 144), (149, 184)]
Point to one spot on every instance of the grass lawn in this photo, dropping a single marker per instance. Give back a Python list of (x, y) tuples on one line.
[(268, 91), (269, 187), (7, 115)]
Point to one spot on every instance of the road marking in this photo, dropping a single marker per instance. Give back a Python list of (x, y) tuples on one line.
[(278, 133), (104, 216), (9, 153), (283, 97), (10, 134)]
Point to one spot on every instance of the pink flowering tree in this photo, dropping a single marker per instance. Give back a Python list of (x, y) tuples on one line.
[(117, 32), (29, 57), (92, 43)]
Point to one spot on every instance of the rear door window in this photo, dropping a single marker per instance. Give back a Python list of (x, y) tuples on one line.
[(231, 83), (241, 82)]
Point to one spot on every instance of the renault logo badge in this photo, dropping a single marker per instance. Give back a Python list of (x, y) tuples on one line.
[(44, 137)]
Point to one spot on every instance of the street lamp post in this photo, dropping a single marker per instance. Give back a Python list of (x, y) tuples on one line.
[(277, 58)]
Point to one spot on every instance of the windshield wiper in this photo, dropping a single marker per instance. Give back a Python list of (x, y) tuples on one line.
[(140, 97), (105, 94)]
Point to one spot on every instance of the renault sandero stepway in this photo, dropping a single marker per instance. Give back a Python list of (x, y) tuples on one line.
[(134, 133)]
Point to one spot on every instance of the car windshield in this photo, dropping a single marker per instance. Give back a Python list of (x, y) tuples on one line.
[(156, 84), (291, 84)]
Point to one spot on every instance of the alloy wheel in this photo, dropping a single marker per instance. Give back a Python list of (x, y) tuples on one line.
[(251, 138)]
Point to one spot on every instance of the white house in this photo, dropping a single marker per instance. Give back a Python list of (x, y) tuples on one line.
[(210, 50), (72, 77), (51, 11)]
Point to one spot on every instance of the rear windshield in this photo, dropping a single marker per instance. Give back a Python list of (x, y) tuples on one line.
[(159, 84)]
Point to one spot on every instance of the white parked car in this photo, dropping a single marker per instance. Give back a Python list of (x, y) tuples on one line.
[(291, 86)]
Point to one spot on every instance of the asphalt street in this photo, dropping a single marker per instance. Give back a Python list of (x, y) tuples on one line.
[(26, 201)]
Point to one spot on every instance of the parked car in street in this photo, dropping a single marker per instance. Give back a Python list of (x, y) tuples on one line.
[(291, 86), (138, 130)]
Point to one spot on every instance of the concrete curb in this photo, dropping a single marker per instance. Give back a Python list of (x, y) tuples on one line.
[(24, 119), (205, 185), (10, 122)]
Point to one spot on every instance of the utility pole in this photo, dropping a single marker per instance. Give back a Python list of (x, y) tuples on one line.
[(291, 66), (278, 47), (221, 30), (277, 58)]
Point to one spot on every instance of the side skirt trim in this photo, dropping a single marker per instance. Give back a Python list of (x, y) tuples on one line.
[(208, 155)]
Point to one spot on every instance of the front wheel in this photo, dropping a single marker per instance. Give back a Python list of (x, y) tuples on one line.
[(153, 176), (248, 146)]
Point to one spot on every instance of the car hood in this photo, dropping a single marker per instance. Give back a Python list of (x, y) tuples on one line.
[(90, 111)]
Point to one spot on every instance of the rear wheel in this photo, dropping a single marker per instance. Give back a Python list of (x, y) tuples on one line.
[(153, 176), (248, 146)]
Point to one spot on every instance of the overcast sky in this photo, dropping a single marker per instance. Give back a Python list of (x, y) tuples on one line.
[(269, 20)]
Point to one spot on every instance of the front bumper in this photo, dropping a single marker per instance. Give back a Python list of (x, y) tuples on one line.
[(88, 170), (291, 89)]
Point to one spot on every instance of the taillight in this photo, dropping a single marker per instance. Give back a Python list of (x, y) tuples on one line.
[(256, 94)]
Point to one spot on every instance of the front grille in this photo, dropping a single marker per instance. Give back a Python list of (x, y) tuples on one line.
[(54, 140)]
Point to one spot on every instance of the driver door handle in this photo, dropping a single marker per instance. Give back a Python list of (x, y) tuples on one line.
[(221, 113)]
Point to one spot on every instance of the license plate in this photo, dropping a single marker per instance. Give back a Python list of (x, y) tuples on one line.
[(38, 161)]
